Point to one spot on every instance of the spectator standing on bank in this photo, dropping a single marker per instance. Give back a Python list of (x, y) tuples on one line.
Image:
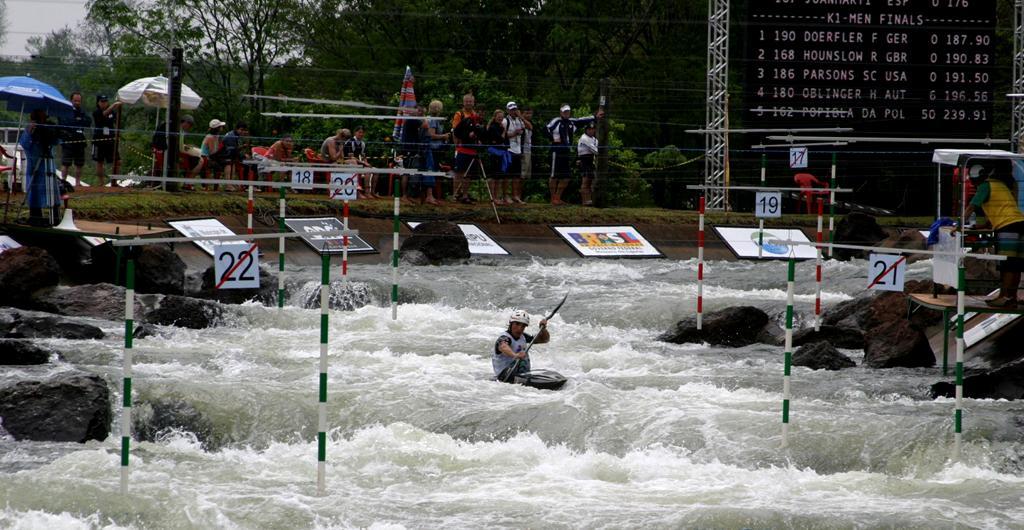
[(497, 158), (438, 141), (159, 145), (73, 139), (586, 154), (412, 146), (515, 129), (236, 151), (354, 154), (468, 130), (563, 131), (527, 162), (105, 125)]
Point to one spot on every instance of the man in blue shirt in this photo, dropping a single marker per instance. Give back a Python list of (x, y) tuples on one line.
[(73, 139)]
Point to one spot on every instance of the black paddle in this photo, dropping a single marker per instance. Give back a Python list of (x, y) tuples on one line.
[(510, 373)]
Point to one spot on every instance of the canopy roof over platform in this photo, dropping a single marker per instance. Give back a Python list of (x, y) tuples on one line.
[(955, 157)]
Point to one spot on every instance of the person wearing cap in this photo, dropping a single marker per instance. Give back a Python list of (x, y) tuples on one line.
[(515, 129), (996, 198), (104, 125), (211, 152), (563, 131), (510, 356), (586, 154), (353, 152)]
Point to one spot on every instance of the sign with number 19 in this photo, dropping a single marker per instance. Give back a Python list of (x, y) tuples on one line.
[(768, 204)]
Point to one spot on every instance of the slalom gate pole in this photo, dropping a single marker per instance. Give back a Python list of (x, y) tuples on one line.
[(344, 245), (700, 264), (280, 250), (959, 411), (321, 435), (760, 222), (832, 206), (817, 269), (126, 388), (248, 209), (788, 353), (394, 255)]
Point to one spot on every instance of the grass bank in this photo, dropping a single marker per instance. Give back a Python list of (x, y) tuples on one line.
[(128, 204)]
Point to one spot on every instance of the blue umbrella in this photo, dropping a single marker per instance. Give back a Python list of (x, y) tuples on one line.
[(25, 94)]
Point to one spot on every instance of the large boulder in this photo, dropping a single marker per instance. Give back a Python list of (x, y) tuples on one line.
[(265, 294), (440, 241), (22, 352), (32, 327), (102, 300), (869, 311), (23, 271), (158, 270), (1005, 382), (857, 229), (733, 327), (897, 344), (185, 312), (838, 337), (821, 356), (160, 417), (69, 407)]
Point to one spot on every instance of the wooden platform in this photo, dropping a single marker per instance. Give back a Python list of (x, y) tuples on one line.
[(972, 304), (93, 229)]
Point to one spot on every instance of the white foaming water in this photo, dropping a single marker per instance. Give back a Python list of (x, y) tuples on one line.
[(645, 434)]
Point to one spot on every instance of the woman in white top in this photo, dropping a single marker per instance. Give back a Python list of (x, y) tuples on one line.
[(586, 153)]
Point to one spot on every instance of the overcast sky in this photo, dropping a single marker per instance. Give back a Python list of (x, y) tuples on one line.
[(26, 18)]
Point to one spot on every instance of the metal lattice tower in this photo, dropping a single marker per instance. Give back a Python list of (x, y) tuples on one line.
[(717, 89), (1018, 75)]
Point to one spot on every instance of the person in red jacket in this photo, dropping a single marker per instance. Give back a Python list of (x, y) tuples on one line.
[(807, 181)]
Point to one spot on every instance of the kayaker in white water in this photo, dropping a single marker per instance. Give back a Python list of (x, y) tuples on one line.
[(510, 350)]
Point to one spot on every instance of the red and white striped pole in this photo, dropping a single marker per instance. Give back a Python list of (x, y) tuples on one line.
[(700, 264), (817, 268), (249, 209)]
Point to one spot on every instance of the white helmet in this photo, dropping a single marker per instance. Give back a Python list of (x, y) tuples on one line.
[(518, 315)]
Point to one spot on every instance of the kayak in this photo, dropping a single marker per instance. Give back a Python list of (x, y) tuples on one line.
[(543, 379)]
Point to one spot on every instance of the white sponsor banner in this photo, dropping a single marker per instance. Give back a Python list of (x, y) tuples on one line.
[(744, 242), (201, 228), (6, 243), (311, 226), (607, 241), (479, 241)]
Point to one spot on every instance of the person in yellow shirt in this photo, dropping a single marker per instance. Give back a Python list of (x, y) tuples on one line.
[(997, 199)]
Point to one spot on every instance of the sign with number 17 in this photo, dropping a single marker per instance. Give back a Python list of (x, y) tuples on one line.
[(797, 157)]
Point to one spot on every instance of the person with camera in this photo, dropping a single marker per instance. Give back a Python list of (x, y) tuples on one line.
[(72, 147), (468, 130), (41, 183)]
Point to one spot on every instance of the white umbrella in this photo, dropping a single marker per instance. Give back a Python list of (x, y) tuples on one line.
[(152, 92)]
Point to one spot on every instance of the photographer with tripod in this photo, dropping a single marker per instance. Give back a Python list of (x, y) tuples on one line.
[(42, 188)]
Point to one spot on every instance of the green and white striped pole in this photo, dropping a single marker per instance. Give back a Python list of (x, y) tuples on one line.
[(788, 361), (958, 413), (126, 385), (832, 207), (760, 221), (394, 254), (321, 436), (280, 250)]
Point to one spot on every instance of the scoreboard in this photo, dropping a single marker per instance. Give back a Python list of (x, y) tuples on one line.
[(878, 66)]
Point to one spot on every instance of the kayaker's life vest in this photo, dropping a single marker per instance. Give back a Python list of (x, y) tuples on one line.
[(500, 361)]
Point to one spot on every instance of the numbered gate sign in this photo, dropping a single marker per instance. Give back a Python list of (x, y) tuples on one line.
[(798, 157), (237, 266), (885, 272), (302, 179), (343, 186), (768, 204)]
